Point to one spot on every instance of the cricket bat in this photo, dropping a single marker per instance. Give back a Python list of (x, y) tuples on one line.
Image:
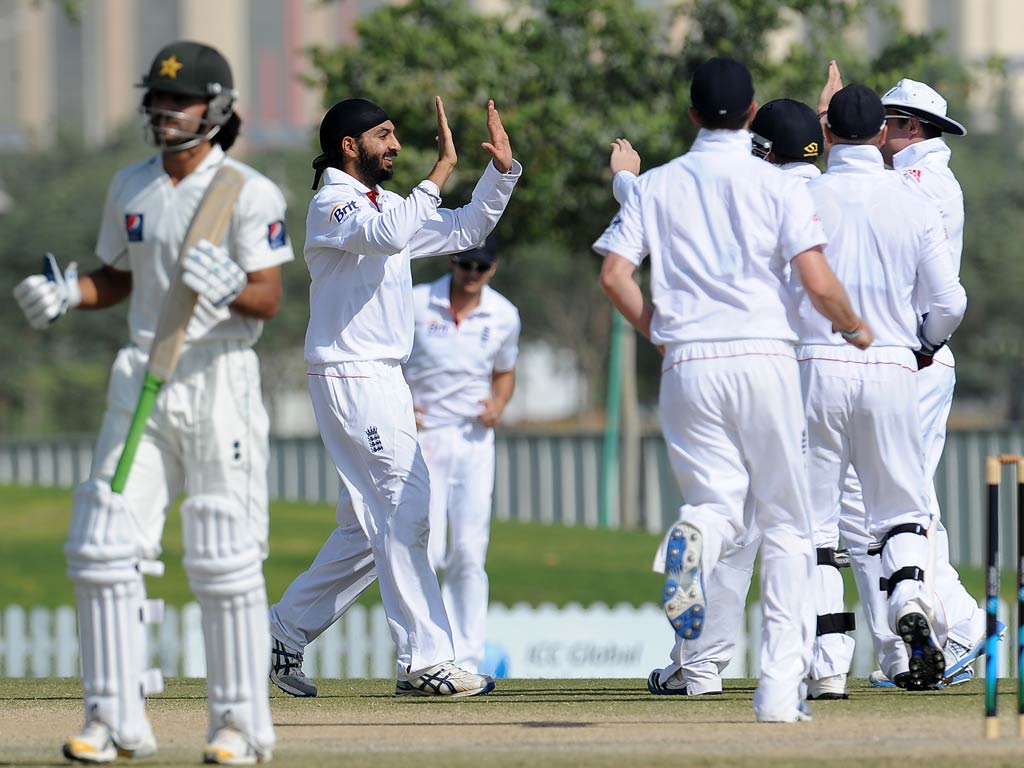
[(210, 221)]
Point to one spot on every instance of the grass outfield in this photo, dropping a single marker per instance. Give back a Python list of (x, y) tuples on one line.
[(567, 723), (527, 562)]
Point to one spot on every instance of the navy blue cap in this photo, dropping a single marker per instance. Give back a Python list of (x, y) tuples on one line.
[(721, 87), (856, 112), (485, 254), (791, 127)]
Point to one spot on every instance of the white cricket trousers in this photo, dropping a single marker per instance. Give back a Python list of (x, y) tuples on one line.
[(364, 412), (208, 434), (862, 409), (733, 420), (460, 458), (957, 614), (702, 661)]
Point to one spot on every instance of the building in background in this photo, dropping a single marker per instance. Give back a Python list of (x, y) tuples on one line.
[(60, 74)]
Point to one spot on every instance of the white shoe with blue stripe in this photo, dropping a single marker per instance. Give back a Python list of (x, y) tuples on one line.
[(959, 656), (683, 595)]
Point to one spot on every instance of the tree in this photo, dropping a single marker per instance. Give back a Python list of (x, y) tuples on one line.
[(568, 76)]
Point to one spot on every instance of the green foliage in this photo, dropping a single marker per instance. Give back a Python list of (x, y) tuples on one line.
[(567, 76)]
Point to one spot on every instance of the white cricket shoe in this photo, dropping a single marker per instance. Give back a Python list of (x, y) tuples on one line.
[(825, 688), (229, 747), (959, 657), (286, 671), (444, 680), (96, 744)]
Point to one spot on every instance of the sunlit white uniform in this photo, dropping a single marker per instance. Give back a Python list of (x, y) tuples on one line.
[(886, 246), (924, 168), (720, 227), (208, 433), (449, 373), (360, 332), (703, 660)]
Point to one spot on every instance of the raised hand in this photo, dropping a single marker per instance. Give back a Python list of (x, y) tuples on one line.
[(445, 144), (624, 157), (499, 145), (446, 155), (832, 86)]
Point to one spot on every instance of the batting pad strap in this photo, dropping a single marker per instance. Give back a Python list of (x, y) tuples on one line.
[(837, 558), (836, 623), (152, 682), (896, 530), (906, 573)]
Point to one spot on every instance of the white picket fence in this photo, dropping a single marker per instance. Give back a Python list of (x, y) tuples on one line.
[(543, 641)]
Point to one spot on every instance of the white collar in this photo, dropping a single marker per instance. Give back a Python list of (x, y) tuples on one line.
[(441, 295), (337, 176), (721, 141), (855, 158), (801, 170), (912, 155)]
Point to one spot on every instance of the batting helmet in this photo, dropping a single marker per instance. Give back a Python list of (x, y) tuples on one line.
[(189, 69)]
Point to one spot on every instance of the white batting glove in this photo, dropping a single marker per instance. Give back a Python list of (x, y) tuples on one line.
[(209, 271), (44, 298)]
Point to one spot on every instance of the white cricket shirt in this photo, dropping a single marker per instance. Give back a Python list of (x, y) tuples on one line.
[(720, 226), (144, 223), (358, 252), (885, 241), (450, 368), (924, 166)]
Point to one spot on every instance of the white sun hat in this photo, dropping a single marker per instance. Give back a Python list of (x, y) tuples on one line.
[(918, 100)]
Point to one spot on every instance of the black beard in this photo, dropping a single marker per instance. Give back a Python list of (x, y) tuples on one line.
[(371, 169)]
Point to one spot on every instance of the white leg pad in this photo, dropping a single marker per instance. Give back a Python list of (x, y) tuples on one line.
[(102, 558), (224, 562)]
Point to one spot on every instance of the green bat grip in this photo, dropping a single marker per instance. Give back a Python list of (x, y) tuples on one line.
[(147, 398)]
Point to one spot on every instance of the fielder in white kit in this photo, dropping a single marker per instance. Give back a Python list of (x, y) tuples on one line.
[(916, 119), (462, 375), (915, 147), (787, 134), (359, 241), (888, 246), (207, 435), (720, 226)]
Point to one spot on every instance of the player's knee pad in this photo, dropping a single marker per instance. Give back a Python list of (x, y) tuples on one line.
[(904, 551), (103, 563), (223, 554), (224, 562), (833, 622)]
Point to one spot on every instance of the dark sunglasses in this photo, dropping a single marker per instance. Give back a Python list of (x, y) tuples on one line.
[(471, 266)]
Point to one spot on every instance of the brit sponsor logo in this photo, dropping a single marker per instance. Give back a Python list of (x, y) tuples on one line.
[(276, 235), (339, 211), (133, 226), (437, 328)]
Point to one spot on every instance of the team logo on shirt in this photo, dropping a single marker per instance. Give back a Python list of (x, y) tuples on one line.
[(276, 235), (373, 440), (133, 226), (339, 211), (914, 173)]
